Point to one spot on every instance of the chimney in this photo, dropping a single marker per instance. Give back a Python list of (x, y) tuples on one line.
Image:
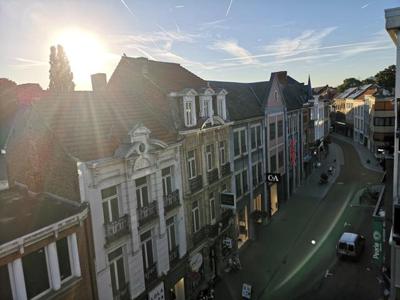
[(99, 82)]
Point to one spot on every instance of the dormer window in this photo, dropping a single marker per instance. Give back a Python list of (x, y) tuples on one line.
[(206, 109), (189, 111), (221, 106)]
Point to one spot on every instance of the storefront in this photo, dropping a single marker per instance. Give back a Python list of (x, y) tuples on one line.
[(243, 224), (175, 282), (274, 187)]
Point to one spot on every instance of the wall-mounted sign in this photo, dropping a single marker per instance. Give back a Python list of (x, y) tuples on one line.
[(228, 200), (157, 293), (378, 239), (273, 177), (195, 262)]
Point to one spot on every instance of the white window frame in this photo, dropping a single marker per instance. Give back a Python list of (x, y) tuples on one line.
[(140, 188), (221, 106), (196, 212), (113, 263), (222, 153), (206, 108), (108, 200), (241, 182), (165, 180), (213, 213), (71, 261), (239, 130), (189, 112), (144, 242), (257, 132), (191, 162), (169, 230), (210, 157)]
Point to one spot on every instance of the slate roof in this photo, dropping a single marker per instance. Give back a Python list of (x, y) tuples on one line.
[(22, 213), (241, 100), (91, 125)]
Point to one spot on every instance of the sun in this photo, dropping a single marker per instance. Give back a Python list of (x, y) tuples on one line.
[(85, 51)]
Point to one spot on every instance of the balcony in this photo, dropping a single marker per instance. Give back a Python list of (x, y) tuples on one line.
[(171, 201), (199, 236), (117, 229), (225, 169), (123, 292), (216, 229), (196, 184), (212, 176), (150, 274), (174, 255), (147, 213)]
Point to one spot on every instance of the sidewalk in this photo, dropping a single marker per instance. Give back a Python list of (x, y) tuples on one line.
[(363, 153), (262, 258)]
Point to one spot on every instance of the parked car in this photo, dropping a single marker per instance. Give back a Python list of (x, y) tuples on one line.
[(350, 245)]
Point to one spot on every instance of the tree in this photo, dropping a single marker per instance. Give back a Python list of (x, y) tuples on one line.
[(387, 77), (348, 83), (369, 80), (60, 75)]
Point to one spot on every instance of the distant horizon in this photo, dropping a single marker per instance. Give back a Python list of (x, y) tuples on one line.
[(229, 40)]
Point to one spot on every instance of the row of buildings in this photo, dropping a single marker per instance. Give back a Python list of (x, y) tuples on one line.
[(366, 113), (144, 187)]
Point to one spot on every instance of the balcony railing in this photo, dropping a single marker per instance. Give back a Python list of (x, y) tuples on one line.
[(226, 169), (174, 255), (196, 184), (212, 176), (199, 236), (171, 201), (116, 229), (147, 213), (150, 274), (216, 229), (122, 293)]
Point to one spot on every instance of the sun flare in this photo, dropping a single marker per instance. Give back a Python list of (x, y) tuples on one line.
[(85, 51)]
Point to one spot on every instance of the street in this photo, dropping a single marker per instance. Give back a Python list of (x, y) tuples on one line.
[(283, 263)]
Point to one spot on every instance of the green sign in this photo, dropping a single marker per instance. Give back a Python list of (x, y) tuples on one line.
[(377, 239)]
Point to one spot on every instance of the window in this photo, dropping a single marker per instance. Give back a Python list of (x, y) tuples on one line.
[(221, 106), (5, 284), (260, 172), (117, 270), (191, 164), (241, 183), (35, 273), (210, 157), (239, 142), (280, 128), (166, 181), (189, 111), (212, 207), (379, 121), (255, 136), (222, 155), (271, 131), (147, 249), (206, 106), (142, 195), (195, 217), (273, 163), (110, 204), (280, 159), (64, 260), (171, 233)]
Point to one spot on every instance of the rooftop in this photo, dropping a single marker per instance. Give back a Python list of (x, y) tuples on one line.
[(22, 213)]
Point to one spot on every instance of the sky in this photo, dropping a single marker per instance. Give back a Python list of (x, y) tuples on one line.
[(229, 40)]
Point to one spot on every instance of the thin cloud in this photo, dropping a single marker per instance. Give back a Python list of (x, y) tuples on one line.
[(365, 6), (28, 63), (231, 47), (179, 6), (216, 24), (127, 7), (229, 8)]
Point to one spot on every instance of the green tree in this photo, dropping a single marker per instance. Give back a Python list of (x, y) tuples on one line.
[(348, 83), (369, 80), (60, 75), (387, 77)]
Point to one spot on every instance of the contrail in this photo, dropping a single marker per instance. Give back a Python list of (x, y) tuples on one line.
[(229, 8), (127, 7)]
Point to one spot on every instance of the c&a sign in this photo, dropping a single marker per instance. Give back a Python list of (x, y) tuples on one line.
[(273, 177)]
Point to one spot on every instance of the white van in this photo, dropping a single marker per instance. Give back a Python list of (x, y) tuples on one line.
[(350, 245)]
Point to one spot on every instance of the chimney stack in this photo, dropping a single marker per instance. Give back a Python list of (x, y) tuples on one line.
[(99, 82)]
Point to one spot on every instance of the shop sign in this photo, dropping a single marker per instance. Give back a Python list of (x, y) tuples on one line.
[(227, 242), (157, 293), (228, 200), (273, 177), (195, 262), (246, 291), (377, 235)]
